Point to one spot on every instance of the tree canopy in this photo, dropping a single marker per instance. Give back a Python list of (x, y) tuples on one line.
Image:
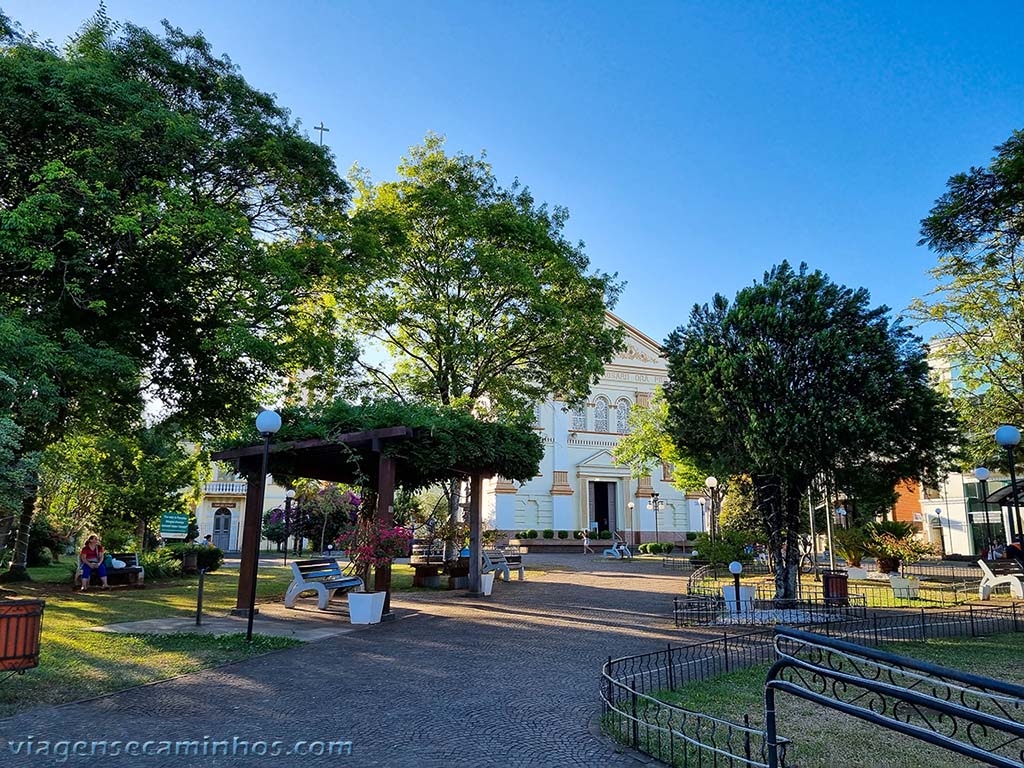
[(976, 229), (796, 377), (445, 440), (164, 228), (473, 289)]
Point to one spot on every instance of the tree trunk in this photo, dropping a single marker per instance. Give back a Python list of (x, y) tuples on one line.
[(140, 532), (779, 505), (19, 564)]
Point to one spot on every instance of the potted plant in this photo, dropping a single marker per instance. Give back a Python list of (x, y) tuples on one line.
[(850, 544), (893, 543), (369, 545)]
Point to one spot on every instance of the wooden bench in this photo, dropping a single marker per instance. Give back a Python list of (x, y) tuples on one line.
[(323, 575), (132, 573), (998, 572), (427, 562), (496, 561)]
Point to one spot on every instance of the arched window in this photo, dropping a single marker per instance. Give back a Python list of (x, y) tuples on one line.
[(601, 415), (579, 417), (622, 416)]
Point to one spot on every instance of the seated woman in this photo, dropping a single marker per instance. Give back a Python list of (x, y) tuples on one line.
[(92, 560)]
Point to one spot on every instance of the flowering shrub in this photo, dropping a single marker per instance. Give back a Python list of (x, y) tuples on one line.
[(369, 544), (893, 543)]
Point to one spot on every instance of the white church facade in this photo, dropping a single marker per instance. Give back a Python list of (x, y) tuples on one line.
[(579, 486)]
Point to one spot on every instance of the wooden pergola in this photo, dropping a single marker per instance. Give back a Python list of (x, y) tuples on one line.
[(347, 458)]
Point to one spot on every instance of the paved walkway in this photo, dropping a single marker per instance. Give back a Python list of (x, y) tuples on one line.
[(506, 681)]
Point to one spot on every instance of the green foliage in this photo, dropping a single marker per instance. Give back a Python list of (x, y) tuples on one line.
[(647, 443), (529, 533), (563, 534), (473, 289), (45, 544), (739, 511), (210, 558), (850, 544), (893, 542), (604, 535), (978, 299), (577, 534), (655, 547), (445, 439), (691, 535), (548, 533), (798, 376), (728, 546), (160, 564)]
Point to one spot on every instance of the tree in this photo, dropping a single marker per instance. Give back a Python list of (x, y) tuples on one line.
[(976, 230), (474, 291), (164, 227), (647, 443), (796, 377)]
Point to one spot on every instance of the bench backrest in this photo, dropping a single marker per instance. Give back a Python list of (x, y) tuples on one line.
[(321, 569), (1001, 567), (494, 556), (130, 559)]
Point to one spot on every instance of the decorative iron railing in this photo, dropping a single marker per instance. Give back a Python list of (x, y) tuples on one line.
[(977, 717), (633, 688)]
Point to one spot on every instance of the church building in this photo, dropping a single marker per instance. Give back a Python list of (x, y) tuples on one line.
[(579, 486)]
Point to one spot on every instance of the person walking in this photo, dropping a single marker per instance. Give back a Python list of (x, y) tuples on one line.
[(586, 542)]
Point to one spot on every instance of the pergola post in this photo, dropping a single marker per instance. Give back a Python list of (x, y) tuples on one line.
[(385, 516), (251, 534), (476, 488)]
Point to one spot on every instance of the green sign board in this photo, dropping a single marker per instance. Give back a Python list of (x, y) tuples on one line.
[(173, 525)]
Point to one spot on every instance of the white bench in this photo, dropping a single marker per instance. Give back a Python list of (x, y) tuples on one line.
[(324, 576), (618, 551), (497, 561), (998, 572)]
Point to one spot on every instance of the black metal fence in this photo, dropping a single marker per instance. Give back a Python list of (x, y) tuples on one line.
[(762, 609), (633, 687)]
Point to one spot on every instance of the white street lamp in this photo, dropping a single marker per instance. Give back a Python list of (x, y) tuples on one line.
[(711, 483), (981, 474), (736, 568), (629, 519), (267, 424), (1008, 437)]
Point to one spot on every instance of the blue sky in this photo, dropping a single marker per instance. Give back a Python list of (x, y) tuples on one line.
[(695, 144)]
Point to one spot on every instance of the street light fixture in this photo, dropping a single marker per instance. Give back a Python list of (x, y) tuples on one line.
[(267, 424), (1008, 437), (938, 514), (703, 513), (656, 504), (736, 568), (981, 474), (711, 483), (629, 520)]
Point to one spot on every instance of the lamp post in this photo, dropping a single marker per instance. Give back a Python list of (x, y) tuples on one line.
[(288, 496), (1008, 437), (629, 521), (981, 474), (938, 514), (736, 568), (703, 513), (656, 504), (711, 483), (267, 424)]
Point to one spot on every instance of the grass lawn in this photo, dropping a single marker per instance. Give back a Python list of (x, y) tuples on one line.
[(76, 663), (823, 738)]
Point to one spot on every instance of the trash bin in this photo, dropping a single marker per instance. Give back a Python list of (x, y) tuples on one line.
[(836, 587), (20, 626)]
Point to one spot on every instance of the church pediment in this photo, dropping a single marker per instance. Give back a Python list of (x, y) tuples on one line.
[(599, 460), (640, 349)]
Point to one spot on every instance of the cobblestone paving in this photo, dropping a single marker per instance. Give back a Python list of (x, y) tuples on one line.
[(506, 681)]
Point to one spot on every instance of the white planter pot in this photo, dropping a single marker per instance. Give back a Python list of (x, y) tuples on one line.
[(856, 572), (486, 582), (365, 607), (747, 595)]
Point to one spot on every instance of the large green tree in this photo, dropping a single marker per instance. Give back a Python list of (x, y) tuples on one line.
[(472, 288), (796, 377), (976, 228), (165, 228)]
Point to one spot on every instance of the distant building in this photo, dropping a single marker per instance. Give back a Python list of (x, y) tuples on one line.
[(579, 486)]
